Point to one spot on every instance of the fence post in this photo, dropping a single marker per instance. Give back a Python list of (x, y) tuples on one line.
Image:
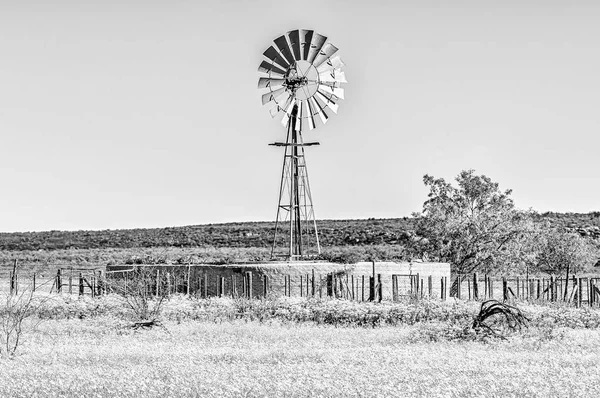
[(187, 287), (313, 282), (490, 287), (504, 289), (11, 283), (249, 282), (13, 278), (265, 286), (58, 281), (157, 289), (33, 283), (81, 284), (442, 289)]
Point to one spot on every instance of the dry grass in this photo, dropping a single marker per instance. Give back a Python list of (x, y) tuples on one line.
[(100, 357)]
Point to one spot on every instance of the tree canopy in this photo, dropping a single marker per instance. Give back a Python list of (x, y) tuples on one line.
[(475, 226)]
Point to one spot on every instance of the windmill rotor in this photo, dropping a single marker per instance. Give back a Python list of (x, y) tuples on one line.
[(301, 68), (301, 80)]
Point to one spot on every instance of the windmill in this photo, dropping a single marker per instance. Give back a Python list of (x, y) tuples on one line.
[(301, 79)]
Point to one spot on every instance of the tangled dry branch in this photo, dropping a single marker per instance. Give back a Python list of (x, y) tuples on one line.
[(498, 319)]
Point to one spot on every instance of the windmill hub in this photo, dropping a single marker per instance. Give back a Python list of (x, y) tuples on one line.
[(301, 79)]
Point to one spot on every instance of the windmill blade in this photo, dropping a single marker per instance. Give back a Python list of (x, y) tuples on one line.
[(272, 95), (284, 47), (315, 46), (335, 75), (330, 103), (288, 112), (336, 92), (319, 109), (331, 63), (265, 82), (280, 105), (294, 37), (333, 84), (274, 56), (270, 69), (305, 41), (308, 114), (298, 124), (326, 51)]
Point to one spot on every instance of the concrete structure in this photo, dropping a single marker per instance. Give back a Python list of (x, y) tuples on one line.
[(397, 279)]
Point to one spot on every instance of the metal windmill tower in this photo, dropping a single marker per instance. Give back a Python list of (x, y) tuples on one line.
[(301, 78)]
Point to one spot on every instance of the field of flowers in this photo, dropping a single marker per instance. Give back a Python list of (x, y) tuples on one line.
[(298, 348)]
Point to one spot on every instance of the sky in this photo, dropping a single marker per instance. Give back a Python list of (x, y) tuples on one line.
[(127, 114)]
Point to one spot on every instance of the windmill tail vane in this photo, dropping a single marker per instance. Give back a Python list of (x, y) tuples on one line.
[(301, 77)]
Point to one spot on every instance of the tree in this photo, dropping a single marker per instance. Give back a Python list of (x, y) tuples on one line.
[(563, 252), (473, 226)]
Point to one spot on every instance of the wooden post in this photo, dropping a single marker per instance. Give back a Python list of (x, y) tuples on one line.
[(313, 282), (168, 283), (491, 287), (33, 283), (504, 289), (187, 283), (352, 297), (157, 287), (265, 286), (233, 286), (379, 288), (430, 284), (552, 283), (13, 278), (459, 287), (442, 289), (58, 281), (301, 286), (469, 287), (249, 282), (475, 287), (363, 288), (80, 284), (320, 286), (71, 281)]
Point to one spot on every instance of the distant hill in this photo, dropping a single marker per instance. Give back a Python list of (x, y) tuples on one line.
[(248, 234), (254, 234)]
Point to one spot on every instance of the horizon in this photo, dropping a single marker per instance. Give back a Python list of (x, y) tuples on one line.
[(116, 116), (258, 222)]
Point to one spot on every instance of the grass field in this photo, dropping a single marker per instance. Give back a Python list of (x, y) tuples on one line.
[(85, 348), (99, 358)]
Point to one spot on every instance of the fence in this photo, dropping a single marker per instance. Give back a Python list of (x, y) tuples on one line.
[(70, 280), (575, 290)]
